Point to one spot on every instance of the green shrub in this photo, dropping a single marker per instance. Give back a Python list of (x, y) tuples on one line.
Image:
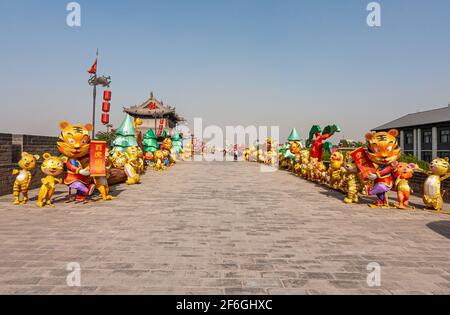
[(108, 137), (409, 158)]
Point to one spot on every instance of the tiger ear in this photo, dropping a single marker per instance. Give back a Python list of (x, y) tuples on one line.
[(413, 166), (369, 136), (64, 159), (89, 127), (63, 124), (446, 158), (46, 156), (393, 132), (395, 164), (36, 157)]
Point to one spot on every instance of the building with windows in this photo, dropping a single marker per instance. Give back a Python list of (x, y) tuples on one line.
[(423, 134)]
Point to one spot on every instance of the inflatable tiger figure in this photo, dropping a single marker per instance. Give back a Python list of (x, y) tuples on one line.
[(23, 179), (74, 143), (52, 167), (383, 150), (351, 183), (166, 147), (334, 170), (432, 194)]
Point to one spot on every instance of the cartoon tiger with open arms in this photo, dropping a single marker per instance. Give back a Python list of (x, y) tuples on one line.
[(383, 150), (74, 143)]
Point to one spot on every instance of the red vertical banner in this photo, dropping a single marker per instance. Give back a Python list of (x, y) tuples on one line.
[(363, 162), (97, 156), (160, 127)]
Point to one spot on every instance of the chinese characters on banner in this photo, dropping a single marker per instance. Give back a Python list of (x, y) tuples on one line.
[(363, 162), (97, 158)]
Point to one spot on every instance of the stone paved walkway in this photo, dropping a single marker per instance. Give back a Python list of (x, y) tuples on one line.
[(214, 228)]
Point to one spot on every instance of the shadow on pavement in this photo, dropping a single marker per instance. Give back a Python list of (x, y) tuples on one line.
[(440, 227)]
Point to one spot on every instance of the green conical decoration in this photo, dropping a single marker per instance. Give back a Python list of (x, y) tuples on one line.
[(294, 136), (125, 135), (177, 143), (150, 142)]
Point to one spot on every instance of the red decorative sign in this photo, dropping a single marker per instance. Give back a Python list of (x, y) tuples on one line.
[(97, 158), (160, 127), (363, 162), (152, 106)]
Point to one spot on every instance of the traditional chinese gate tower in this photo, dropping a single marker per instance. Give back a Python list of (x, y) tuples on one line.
[(155, 115)]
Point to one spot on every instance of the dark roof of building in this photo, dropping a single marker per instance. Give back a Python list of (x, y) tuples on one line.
[(419, 119), (153, 107)]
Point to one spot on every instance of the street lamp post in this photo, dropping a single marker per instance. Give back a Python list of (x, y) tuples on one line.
[(95, 80)]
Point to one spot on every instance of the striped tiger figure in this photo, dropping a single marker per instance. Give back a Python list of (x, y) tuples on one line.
[(23, 179), (351, 183)]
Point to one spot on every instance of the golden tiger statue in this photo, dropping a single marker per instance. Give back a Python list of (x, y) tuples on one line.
[(334, 170), (23, 179), (432, 194), (166, 147), (351, 183), (52, 166), (101, 182), (158, 161)]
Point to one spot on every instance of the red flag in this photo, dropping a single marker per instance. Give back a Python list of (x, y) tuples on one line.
[(93, 69)]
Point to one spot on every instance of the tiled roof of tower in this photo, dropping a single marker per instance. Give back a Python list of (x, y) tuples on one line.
[(152, 107)]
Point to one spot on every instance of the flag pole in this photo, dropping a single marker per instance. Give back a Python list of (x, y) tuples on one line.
[(94, 96)]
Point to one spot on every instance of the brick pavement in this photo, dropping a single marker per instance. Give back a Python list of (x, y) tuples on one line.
[(214, 228)]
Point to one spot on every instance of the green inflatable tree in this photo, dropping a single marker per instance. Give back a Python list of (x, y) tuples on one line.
[(125, 135), (294, 136), (150, 142), (177, 143)]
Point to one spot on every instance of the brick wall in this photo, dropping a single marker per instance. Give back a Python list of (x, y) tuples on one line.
[(10, 148), (5, 148), (417, 181)]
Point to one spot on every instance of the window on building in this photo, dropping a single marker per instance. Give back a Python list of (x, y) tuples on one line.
[(443, 154), (427, 135), (444, 136), (409, 138), (427, 156)]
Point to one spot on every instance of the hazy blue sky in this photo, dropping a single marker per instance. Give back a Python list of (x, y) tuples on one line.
[(288, 63)]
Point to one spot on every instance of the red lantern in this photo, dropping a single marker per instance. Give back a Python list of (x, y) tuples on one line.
[(105, 118), (107, 95), (106, 106)]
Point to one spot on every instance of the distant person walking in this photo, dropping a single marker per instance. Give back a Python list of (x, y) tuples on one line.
[(235, 152)]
